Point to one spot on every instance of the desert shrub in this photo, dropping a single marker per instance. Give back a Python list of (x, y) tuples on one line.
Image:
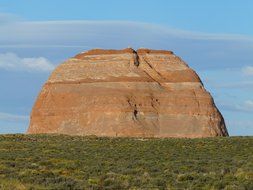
[(72, 162)]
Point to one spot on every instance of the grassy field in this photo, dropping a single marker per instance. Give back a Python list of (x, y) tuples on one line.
[(71, 162)]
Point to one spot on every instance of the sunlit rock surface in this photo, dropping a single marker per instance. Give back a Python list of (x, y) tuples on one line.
[(143, 93)]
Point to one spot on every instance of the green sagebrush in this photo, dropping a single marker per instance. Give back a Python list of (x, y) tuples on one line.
[(74, 162)]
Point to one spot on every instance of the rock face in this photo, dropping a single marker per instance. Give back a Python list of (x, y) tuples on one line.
[(143, 93)]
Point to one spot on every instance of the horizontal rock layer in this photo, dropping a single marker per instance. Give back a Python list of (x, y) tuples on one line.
[(143, 93)]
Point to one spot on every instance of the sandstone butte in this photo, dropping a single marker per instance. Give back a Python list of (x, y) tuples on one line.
[(126, 93)]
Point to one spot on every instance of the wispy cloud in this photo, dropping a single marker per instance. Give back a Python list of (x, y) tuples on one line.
[(246, 106), (238, 85), (11, 61), (91, 28), (40, 36), (248, 71), (13, 117), (6, 18), (240, 127)]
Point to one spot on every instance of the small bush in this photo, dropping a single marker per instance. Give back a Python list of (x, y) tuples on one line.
[(73, 162)]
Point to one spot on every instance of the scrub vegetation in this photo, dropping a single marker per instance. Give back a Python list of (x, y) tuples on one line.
[(74, 162)]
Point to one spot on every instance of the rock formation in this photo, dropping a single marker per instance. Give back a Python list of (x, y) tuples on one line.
[(143, 93)]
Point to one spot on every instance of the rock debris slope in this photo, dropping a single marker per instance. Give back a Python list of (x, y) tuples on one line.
[(143, 93)]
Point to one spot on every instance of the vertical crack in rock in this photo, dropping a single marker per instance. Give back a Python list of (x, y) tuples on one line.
[(155, 105), (136, 58), (135, 110), (135, 113)]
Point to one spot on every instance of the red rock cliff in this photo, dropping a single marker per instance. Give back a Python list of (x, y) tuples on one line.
[(144, 93)]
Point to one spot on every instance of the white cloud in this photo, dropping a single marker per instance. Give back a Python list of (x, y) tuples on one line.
[(76, 36), (237, 85), (246, 106), (6, 18), (82, 29), (226, 79), (13, 117), (248, 71), (11, 61), (238, 127)]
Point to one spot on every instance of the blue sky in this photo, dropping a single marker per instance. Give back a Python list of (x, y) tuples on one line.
[(213, 37)]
